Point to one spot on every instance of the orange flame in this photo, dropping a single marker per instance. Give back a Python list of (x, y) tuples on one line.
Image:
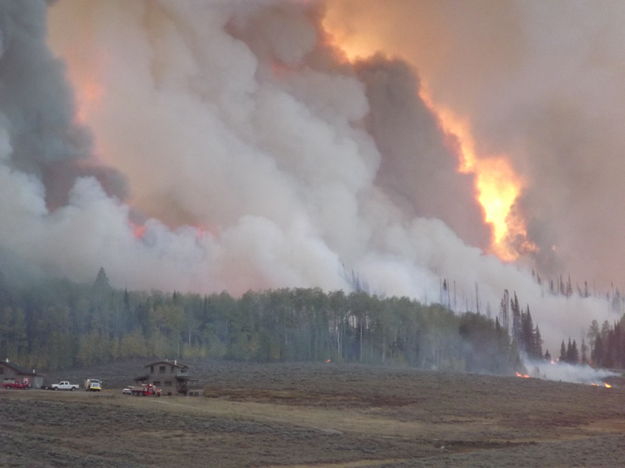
[(89, 94), (497, 185), (138, 230), (603, 384), (523, 376)]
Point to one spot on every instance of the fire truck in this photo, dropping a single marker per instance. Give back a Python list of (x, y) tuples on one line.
[(145, 390), (17, 384)]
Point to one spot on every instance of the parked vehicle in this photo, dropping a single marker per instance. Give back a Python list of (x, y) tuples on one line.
[(144, 390), (65, 385), (16, 384), (93, 385)]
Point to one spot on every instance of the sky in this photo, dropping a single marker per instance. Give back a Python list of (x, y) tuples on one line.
[(235, 145)]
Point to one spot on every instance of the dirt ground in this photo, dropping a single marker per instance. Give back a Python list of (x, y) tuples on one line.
[(320, 415)]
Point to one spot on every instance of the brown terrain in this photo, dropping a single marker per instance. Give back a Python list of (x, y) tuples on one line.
[(319, 415)]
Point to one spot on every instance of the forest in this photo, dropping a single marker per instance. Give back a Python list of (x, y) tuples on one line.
[(606, 345), (59, 324)]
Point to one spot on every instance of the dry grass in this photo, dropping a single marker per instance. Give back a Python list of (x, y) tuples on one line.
[(322, 416)]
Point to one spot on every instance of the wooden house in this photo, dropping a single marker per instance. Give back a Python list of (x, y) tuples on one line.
[(12, 373), (170, 376)]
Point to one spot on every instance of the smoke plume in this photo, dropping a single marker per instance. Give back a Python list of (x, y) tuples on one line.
[(541, 83), (211, 145)]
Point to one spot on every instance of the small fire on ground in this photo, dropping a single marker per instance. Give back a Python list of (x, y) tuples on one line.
[(602, 384), (594, 384)]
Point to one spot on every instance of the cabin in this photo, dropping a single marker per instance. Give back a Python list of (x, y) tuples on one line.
[(170, 376), (12, 373)]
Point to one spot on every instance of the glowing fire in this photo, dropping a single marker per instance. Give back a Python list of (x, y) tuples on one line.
[(523, 376), (603, 384), (138, 230), (89, 93), (497, 185)]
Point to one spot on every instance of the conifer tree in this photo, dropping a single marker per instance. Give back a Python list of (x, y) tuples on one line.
[(569, 352), (563, 355), (574, 353), (537, 344)]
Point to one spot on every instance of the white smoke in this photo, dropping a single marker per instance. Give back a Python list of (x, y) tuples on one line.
[(565, 372), (254, 157)]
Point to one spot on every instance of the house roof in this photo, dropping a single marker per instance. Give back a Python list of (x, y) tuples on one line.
[(174, 363), (18, 369)]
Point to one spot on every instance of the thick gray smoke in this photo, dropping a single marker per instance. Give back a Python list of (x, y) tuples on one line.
[(540, 81), (37, 108), (255, 158)]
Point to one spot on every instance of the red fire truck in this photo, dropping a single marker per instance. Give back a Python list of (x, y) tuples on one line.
[(17, 384), (145, 390)]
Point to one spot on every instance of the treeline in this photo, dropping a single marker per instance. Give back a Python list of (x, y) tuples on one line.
[(60, 324), (607, 344), (519, 324), (564, 287), (571, 354)]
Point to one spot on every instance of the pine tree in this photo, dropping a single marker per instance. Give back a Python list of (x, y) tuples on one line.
[(101, 282), (516, 318), (538, 344), (569, 288), (597, 354), (503, 311), (593, 333), (569, 352), (562, 357), (527, 333), (574, 353)]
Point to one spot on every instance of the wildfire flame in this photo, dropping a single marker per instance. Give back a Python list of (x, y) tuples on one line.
[(523, 376), (603, 384), (497, 185), (138, 230), (89, 93)]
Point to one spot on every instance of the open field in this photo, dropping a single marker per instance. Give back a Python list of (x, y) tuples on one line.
[(318, 415)]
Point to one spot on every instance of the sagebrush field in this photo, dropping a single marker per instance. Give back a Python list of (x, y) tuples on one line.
[(322, 415)]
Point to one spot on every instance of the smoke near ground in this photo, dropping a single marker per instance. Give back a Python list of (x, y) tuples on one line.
[(211, 145), (565, 372)]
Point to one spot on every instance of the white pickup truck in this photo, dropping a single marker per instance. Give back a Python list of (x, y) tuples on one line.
[(64, 385)]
